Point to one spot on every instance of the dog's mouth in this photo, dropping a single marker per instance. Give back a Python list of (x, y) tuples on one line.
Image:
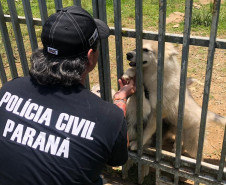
[(133, 64)]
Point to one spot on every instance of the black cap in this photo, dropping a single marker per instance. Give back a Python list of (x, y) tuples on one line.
[(71, 32)]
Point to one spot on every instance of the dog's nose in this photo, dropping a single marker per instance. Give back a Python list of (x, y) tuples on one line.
[(129, 56)]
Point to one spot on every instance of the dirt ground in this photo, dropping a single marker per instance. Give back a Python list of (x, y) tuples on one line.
[(217, 101)]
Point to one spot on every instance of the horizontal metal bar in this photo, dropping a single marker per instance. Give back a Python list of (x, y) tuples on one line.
[(185, 161), (174, 38), (22, 20), (162, 181), (206, 178), (149, 35)]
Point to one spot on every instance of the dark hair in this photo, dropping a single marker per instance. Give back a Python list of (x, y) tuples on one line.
[(49, 70)]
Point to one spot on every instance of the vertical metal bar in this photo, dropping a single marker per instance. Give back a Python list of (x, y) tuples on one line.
[(7, 44), (101, 75), (222, 160), (87, 82), (140, 173), (87, 77), (158, 176), (176, 179), (196, 182), (139, 84), (139, 75), (125, 171), (43, 11), (118, 37), (100, 68), (18, 36), (95, 8), (30, 24), (100, 62), (105, 63), (183, 79), (211, 51), (77, 2), (58, 4), (160, 75), (2, 72)]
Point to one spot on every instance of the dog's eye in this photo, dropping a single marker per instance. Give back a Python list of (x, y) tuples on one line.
[(146, 50), (98, 91)]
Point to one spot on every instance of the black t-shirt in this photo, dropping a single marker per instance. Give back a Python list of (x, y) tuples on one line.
[(57, 136)]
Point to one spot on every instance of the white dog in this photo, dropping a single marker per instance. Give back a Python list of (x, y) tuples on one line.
[(171, 85), (168, 130)]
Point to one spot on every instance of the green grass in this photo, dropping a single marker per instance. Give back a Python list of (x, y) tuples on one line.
[(201, 19)]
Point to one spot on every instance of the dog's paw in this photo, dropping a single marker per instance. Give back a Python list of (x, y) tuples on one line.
[(126, 77), (133, 145), (130, 73)]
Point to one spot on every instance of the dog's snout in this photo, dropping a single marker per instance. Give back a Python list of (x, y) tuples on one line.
[(129, 56)]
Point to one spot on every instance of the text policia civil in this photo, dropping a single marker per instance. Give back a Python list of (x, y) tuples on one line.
[(39, 114)]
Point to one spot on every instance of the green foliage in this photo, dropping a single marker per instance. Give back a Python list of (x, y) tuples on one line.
[(202, 17)]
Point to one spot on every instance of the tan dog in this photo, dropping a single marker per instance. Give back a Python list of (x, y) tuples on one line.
[(192, 111)]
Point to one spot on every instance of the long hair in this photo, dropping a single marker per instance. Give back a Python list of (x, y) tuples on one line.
[(47, 70)]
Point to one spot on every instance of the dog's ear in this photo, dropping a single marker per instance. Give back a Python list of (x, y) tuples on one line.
[(173, 52), (151, 46), (170, 51), (154, 48)]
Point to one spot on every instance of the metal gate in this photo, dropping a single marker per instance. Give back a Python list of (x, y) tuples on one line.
[(160, 160)]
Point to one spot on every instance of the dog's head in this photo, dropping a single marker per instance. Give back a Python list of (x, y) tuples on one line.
[(150, 53)]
